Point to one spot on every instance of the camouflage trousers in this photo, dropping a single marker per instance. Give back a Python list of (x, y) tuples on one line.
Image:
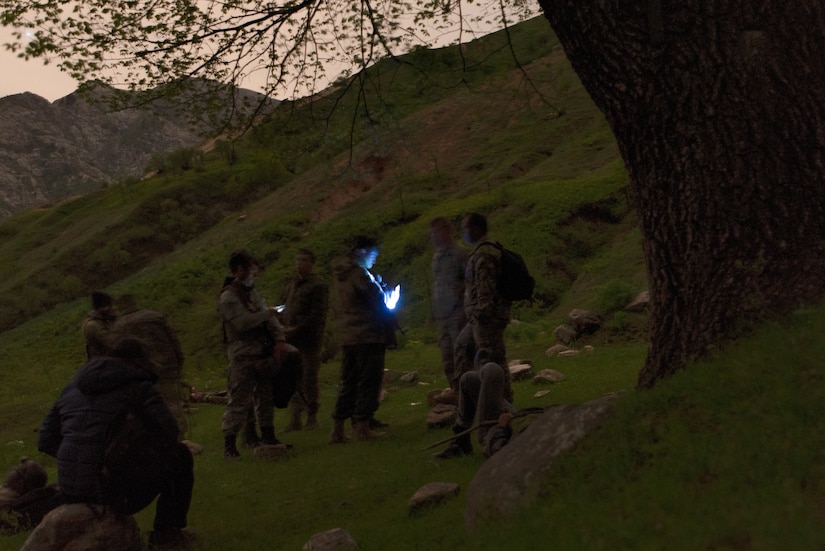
[(448, 330), (481, 397), (307, 388), (247, 388)]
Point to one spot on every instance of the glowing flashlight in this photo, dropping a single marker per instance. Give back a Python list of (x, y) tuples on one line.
[(391, 297)]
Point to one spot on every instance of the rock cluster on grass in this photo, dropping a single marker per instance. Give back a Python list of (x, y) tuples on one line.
[(87, 527)]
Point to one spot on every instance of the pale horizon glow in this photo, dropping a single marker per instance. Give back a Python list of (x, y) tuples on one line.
[(51, 83), (33, 76)]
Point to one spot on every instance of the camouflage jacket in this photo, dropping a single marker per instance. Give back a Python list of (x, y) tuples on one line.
[(249, 329), (360, 314), (482, 302), (305, 315), (96, 329)]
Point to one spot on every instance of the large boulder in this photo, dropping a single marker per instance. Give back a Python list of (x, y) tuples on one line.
[(84, 527), (512, 478), (585, 322)]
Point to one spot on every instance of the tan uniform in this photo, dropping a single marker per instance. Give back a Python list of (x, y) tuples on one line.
[(151, 327)]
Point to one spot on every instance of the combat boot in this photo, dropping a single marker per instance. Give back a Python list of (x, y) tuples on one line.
[(230, 450), (363, 432), (312, 421), (460, 445), (249, 438), (294, 421), (337, 435), (268, 437)]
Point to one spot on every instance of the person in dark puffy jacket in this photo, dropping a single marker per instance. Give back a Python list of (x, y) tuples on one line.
[(78, 428)]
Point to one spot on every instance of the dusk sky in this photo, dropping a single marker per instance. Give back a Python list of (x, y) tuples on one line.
[(31, 76)]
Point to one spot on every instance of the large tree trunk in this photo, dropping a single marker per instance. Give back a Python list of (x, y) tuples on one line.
[(718, 111)]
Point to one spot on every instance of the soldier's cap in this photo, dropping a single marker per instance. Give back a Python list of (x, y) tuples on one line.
[(364, 242), (101, 300)]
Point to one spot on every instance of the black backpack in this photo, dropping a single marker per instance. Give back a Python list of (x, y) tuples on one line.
[(514, 282)]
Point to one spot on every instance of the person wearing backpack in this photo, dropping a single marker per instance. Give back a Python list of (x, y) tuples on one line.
[(487, 311), (107, 395)]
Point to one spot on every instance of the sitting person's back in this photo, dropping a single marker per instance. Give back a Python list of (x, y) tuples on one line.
[(79, 427)]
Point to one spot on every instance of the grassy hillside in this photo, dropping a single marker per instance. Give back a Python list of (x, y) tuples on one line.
[(729, 444)]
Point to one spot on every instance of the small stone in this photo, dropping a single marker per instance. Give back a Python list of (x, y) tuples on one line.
[(568, 353), (555, 349), (431, 494), (336, 539), (441, 416), (541, 393), (409, 377), (548, 376), (271, 453), (520, 372)]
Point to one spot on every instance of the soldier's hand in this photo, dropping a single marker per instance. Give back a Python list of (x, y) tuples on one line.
[(280, 352), (504, 419)]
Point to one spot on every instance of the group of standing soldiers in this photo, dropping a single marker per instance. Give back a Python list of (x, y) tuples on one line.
[(266, 344), (273, 350)]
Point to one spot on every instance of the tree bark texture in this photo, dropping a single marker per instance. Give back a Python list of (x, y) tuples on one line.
[(717, 108)]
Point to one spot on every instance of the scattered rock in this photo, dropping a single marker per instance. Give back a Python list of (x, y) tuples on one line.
[(519, 372), (409, 377), (382, 395), (511, 478), (565, 334), (640, 302), (431, 395), (82, 526), (432, 494), (568, 353), (585, 322), (271, 453), (519, 362), (441, 416), (555, 349), (541, 393), (336, 539), (391, 375), (548, 376), (588, 348)]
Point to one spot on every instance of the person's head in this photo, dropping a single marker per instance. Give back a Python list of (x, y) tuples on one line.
[(102, 302), (441, 232), (132, 350), (26, 476), (365, 251), (304, 262), (244, 267), (473, 227)]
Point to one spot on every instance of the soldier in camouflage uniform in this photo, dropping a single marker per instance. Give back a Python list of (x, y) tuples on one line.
[(488, 313), (255, 344), (304, 317), (98, 324), (151, 328), (448, 265)]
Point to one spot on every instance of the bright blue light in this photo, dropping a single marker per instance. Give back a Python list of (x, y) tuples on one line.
[(391, 297)]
